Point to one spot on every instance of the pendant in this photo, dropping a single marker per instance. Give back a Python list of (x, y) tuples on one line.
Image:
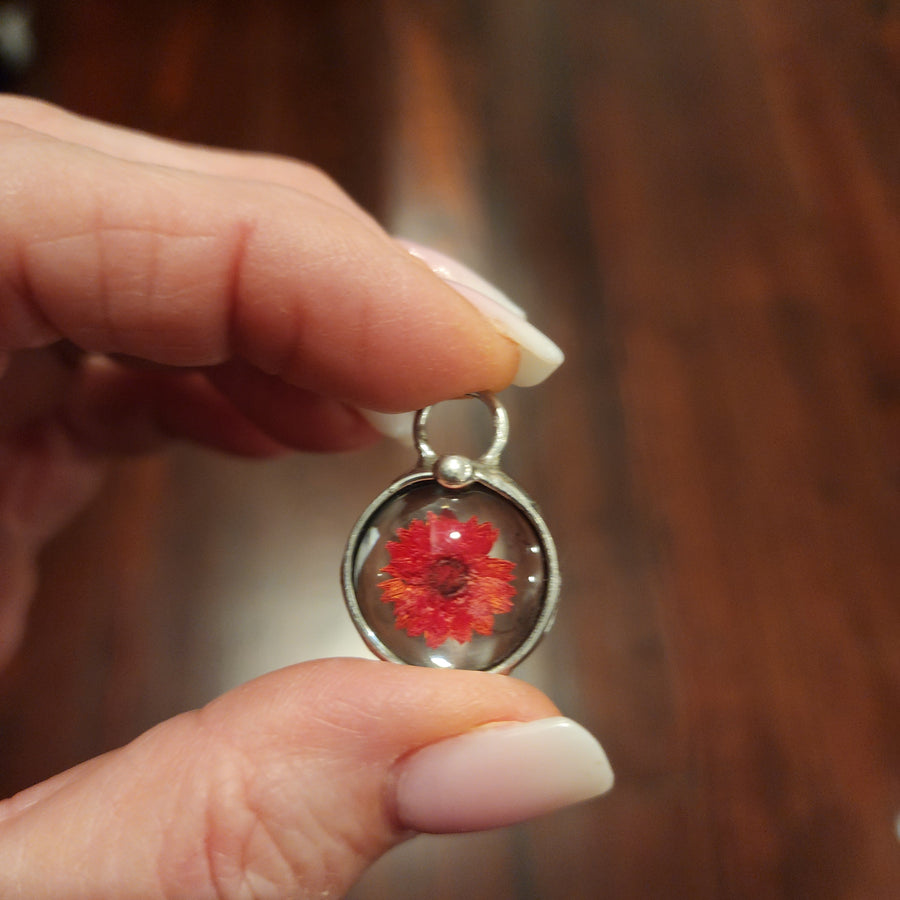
[(452, 566)]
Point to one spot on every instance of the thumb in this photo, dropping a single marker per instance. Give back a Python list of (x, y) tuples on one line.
[(292, 784)]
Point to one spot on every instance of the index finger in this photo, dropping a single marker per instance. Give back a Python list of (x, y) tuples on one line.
[(189, 268)]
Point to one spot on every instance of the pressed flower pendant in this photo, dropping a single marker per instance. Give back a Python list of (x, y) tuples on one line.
[(452, 566)]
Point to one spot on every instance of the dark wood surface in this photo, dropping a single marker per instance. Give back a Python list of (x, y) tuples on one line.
[(699, 200)]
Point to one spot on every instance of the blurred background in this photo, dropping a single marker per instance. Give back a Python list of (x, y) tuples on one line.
[(698, 199)]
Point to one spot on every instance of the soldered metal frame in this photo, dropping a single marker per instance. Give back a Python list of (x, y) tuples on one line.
[(456, 473)]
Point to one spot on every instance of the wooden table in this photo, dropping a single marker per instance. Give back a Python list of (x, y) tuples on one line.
[(700, 200)]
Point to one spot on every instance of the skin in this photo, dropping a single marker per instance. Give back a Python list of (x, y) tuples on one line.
[(151, 291)]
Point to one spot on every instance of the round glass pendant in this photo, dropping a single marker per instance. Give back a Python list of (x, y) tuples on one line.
[(452, 566)]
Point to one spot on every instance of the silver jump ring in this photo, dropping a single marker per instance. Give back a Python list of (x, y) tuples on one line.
[(491, 458)]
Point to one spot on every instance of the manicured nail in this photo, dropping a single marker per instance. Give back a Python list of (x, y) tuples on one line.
[(499, 775), (398, 426), (538, 355), (450, 269)]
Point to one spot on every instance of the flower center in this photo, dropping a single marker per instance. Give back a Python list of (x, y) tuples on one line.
[(448, 576)]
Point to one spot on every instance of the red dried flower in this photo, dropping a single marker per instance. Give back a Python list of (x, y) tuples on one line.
[(444, 582)]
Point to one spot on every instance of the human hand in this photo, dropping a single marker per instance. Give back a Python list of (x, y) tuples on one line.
[(150, 290)]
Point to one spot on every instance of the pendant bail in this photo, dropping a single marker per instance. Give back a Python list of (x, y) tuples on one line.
[(490, 458)]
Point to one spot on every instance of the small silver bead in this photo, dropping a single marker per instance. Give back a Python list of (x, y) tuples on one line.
[(453, 471)]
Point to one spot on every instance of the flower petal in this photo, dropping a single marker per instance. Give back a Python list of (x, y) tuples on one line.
[(418, 559)]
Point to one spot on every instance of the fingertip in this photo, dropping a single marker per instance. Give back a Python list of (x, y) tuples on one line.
[(538, 355), (357, 317)]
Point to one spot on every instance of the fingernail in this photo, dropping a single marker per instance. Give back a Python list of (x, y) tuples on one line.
[(499, 775), (398, 426), (539, 357), (450, 269)]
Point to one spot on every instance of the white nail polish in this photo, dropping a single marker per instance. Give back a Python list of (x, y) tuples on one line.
[(499, 775), (450, 269), (398, 426), (538, 355)]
